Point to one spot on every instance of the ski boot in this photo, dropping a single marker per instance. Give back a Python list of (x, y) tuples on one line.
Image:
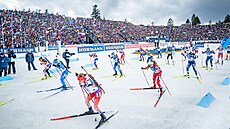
[(90, 111), (115, 74), (64, 87), (154, 86), (161, 91), (103, 118)]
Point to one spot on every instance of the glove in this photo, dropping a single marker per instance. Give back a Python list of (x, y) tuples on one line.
[(142, 68), (108, 55), (76, 74)]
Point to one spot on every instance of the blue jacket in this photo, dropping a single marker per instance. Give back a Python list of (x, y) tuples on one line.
[(29, 57), (4, 61)]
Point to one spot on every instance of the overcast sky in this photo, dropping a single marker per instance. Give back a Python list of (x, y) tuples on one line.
[(135, 11)]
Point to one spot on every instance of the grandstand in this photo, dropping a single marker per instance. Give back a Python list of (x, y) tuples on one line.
[(23, 29)]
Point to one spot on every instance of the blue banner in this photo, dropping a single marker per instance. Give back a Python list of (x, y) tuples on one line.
[(54, 47), (18, 50), (114, 47), (85, 49)]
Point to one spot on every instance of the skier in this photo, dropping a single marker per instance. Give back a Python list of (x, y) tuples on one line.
[(94, 92), (95, 57), (209, 57), (156, 75), (62, 70), (159, 52), (220, 50), (116, 64), (186, 50), (191, 62), (47, 66), (142, 54), (122, 57), (150, 56), (169, 52), (228, 53)]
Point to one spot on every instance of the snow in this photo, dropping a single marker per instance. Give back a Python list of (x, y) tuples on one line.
[(32, 110)]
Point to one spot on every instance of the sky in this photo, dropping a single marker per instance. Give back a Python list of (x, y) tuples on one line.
[(137, 12)]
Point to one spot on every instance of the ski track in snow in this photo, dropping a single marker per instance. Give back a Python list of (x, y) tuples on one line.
[(30, 111)]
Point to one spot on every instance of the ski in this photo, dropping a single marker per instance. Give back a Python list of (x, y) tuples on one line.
[(78, 115), (38, 80), (55, 93), (159, 99), (3, 103), (146, 88), (52, 89), (106, 120)]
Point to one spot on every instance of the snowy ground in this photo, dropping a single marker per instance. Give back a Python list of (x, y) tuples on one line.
[(32, 110)]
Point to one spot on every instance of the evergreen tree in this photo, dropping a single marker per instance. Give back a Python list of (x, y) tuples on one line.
[(96, 12), (227, 19), (187, 21), (170, 22), (195, 20)]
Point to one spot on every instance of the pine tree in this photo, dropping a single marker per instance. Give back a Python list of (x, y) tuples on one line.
[(187, 21), (227, 19), (96, 12), (170, 22)]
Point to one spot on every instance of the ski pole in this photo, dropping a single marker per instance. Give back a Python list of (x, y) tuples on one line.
[(198, 71), (165, 85), (182, 65), (145, 77), (92, 79)]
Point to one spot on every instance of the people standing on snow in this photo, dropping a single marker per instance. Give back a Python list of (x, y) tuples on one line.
[(3, 64), (66, 55), (12, 57), (94, 92), (47, 66), (63, 71), (95, 59), (157, 72), (209, 57), (116, 64), (30, 60)]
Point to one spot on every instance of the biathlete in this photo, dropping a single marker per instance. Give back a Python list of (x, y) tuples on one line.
[(94, 92), (116, 64), (62, 70), (209, 57), (220, 50), (122, 57), (169, 52), (47, 66), (157, 72), (191, 62), (95, 57)]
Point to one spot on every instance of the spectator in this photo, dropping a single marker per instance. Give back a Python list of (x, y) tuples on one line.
[(30, 59), (11, 56), (3, 64), (66, 55)]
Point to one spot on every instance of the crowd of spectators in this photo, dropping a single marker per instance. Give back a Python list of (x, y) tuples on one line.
[(20, 29)]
